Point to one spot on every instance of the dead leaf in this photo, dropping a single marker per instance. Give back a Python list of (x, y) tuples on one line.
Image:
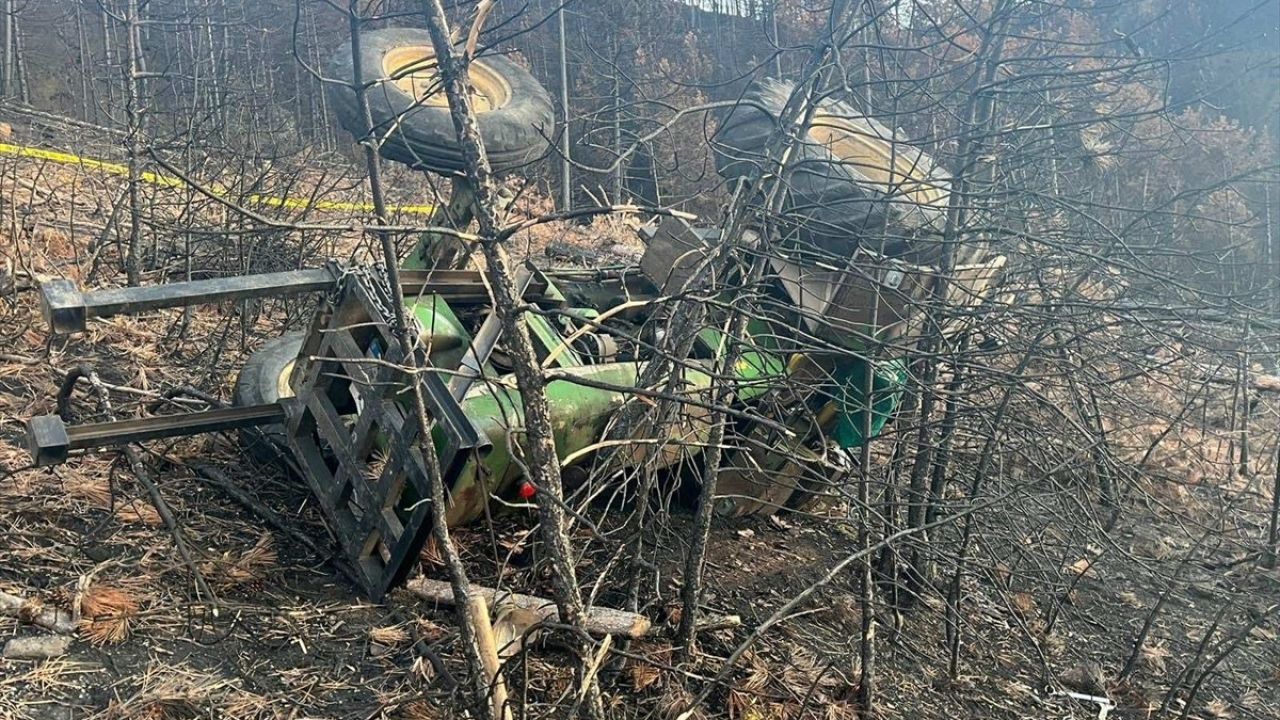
[(107, 614), (1024, 604), (849, 611), (758, 676), (841, 711), (675, 613), (1053, 643), (430, 554), (644, 676), (1083, 567), (1003, 575), (1219, 709), (1019, 690), (745, 706), (428, 631), (677, 702), (1261, 633), (515, 543), (420, 710), (245, 571), (1086, 678), (391, 636), (746, 533), (1154, 656)]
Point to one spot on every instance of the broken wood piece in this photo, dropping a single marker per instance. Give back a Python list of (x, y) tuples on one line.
[(473, 37), (513, 626), (478, 614), (596, 620), (33, 612), (718, 622), (589, 677), (36, 647)]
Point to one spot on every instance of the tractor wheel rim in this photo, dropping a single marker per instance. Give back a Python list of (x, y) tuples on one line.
[(414, 70), (875, 159), (283, 388)]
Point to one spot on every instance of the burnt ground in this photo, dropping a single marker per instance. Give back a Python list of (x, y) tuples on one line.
[(289, 637), (292, 637)]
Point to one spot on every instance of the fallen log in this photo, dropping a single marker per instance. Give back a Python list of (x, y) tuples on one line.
[(31, 611), (38, 647), (597, 620)]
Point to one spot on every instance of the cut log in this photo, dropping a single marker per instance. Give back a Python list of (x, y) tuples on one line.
[(31, 611), (598, 620), (38, 647)]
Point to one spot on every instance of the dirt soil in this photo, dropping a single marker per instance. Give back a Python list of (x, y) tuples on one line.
[(287, 636)]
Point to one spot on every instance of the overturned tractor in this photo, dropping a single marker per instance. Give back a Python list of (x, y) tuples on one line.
[(850, 266)]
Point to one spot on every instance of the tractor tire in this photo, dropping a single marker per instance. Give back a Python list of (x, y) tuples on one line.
[(840, 193), (411, 117), (260, 382)]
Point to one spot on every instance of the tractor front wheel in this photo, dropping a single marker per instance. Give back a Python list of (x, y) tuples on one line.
[(265, 379)]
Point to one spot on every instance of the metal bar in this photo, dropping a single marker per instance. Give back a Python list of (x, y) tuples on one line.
[(460, 432), (121, 432), (66, 308), (114, 301), (50, 439), (482, 345), (454, 283)]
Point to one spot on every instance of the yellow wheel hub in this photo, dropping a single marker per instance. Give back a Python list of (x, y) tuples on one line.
[(283, 388), (414, 70), (875, 159)]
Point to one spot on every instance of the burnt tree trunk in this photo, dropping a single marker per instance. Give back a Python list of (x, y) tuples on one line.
[(540, 451), (472, 614)]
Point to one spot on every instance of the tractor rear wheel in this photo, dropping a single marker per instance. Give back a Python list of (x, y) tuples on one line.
[(851, 182), (411, 117)]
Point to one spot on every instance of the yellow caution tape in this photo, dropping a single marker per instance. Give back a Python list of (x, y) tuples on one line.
[(172, 182)]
